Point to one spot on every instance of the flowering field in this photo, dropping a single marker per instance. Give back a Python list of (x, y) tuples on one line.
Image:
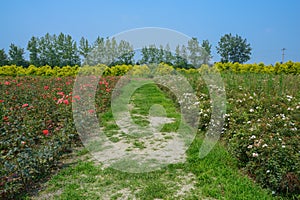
[(262, 126), (261, 130), (36, 125)]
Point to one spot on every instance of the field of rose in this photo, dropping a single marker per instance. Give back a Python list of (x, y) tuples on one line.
[(262, 126), (37, 127), (261, 130)]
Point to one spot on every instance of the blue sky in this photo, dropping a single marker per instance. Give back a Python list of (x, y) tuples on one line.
[(268, 25)]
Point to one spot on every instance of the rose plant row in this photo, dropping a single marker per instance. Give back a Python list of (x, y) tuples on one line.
[(36, 126)]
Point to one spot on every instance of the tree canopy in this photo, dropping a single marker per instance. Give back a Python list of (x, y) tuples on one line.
[(61, 50), (16, 55), (233, 49), (3, 58)]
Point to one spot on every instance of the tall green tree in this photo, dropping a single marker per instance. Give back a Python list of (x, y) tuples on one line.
[(48, 50), (183, 52), (98, 42), (70, 54), (59, 45), (114, 50), (206, 51), (58, 50), (109, 52), (177, 57), (194, 56), (153, 55), (180, 61), (66, 50), (125, 53), (84, 47), (161, 54), (233, 49), (3, 58), (168, 56), (97, 54), (16, 56), (33, 48), (145, 56)]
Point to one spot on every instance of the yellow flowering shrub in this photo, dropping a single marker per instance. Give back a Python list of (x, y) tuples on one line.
[(140, 70), (163, 69)]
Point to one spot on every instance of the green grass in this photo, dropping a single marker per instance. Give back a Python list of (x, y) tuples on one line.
[(219, 177), (214, 177), (142, 107)]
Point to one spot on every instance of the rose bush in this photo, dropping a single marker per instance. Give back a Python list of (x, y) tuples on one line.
[(36, 126), (262, 126)]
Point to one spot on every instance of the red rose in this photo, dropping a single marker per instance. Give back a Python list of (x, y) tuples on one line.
[(45, 132), (77, 97), (91, 111), (24, 105), (61, 93), (66, 101)]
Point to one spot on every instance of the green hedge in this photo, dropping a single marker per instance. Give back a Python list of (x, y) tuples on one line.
[(119, 70)]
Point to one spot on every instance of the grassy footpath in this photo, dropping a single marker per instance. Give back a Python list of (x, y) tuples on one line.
[(214, 177)]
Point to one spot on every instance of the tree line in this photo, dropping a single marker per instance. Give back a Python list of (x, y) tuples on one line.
[(61, 50)]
